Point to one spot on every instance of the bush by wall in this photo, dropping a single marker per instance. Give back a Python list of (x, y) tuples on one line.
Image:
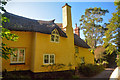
[(90, 69)]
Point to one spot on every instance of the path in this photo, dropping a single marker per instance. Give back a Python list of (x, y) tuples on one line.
[(104, 75)]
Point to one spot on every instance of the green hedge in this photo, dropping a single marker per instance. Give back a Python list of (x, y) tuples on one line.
[(90, 69)]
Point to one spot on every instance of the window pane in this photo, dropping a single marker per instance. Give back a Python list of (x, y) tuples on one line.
[(57, 38), (52, 59), (21, 55), (56, 32), (76, 50), (82, 60), (14, 57), (46, 58), (52, 37), (53, 32)]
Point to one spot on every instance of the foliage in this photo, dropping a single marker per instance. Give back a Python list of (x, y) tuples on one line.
[(112, 35), (108, 60), (92, 50), (103, 63), (90, 69), (70, 66), (92, 29), (5, 33), (118, 59), (53, 67), (2, 3), (75, 77)]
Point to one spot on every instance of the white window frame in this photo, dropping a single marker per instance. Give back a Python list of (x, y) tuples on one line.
[(18, 56), (48, 58), (55, 36)]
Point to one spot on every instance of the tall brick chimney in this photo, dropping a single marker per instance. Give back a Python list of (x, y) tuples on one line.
[(77, 30)]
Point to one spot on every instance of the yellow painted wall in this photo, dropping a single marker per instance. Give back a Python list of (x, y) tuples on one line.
[(64, 53), (84, 52), (24, 41), (36, 44)]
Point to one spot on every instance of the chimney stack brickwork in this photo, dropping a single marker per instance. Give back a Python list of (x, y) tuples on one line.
[(77, 30)]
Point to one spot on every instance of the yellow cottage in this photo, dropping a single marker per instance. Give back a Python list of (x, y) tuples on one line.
[(44, 42)]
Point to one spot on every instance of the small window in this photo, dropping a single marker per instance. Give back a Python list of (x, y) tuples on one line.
[(76, 49), (49, 59), (18, 56), (82, 60), (53, 32), (55, 36), (52, 38), (46, 58), (52, 59)]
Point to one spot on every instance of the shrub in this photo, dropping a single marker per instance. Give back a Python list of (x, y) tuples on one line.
[(16, 75), (75, 77), (53, 67), (90, 69)]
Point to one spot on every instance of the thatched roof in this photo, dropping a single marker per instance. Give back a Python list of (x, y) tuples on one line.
[(79, 42), (19, 23), (59, 24)]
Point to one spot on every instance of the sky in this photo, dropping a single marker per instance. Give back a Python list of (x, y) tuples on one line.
[(53, 10)]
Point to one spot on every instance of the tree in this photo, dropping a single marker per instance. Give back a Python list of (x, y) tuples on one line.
[(112, 35), (91, 25), (5, 33)]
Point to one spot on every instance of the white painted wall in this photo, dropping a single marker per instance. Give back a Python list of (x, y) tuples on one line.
[(115, 74)]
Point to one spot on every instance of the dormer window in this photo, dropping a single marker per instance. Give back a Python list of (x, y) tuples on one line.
[(55, 36)]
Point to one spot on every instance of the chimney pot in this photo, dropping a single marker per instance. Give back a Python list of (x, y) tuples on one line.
[(76, 25), (77, 30)]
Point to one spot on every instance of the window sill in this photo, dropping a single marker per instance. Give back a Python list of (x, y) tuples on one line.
[(54, 42), (17, 63)]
